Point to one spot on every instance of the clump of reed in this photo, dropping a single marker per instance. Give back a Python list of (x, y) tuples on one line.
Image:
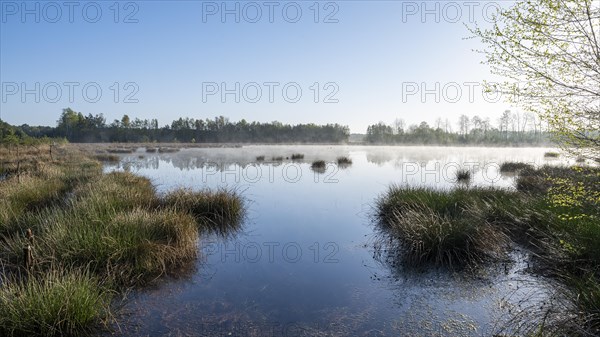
[(277, 158), (463, 175), (447, 228), (551, 154), (511, 166), (260, 158), (297, 156), (168, 149), (344, 161), (120, 150), (219, 211), (318, 164), (57, 303)]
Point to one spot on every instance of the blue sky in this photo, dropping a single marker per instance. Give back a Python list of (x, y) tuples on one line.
[(368, 61)]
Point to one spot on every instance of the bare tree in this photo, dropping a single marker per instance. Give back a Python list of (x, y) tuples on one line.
[(399, 125)]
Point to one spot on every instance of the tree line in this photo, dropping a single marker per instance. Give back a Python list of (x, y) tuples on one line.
[(79, 128), (511, 129)]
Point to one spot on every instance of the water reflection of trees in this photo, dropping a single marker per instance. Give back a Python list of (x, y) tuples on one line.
[(184, 163), (187, 162)]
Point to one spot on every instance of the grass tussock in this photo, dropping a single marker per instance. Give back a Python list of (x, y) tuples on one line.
[(151, 149), (319, 166), (277, 158), (58, 303), (513, 167), (120, 150), (344, 161), (297, 156), (218, 211), (260, 158), (554, 213), (463, 175), (446, 228), (168, 149), (551, 154)]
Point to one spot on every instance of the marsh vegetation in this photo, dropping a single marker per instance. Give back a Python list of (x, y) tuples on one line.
[(92, 235), (513, 167), (318, 166), (553, 213), (463, 175), (344, 161)]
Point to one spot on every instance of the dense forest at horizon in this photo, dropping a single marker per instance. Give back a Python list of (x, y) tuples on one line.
[(513, 129)]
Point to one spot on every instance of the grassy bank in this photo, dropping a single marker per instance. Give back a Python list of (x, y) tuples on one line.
[(554, 212), (95, 234)]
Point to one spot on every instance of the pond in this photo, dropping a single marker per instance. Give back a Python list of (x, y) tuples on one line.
[(304, 263)]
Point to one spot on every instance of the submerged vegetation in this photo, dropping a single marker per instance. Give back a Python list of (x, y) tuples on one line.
[(553, 212), (91, 234)]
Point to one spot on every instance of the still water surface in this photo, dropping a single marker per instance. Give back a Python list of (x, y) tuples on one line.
[(304, 262)]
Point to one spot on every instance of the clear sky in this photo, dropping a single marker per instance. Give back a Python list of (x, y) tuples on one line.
[(372, 60)]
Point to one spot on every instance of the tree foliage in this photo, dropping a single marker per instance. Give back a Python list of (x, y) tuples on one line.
[(549, 53)]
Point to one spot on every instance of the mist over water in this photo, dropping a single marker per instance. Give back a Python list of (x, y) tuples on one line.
[(304, 262)]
